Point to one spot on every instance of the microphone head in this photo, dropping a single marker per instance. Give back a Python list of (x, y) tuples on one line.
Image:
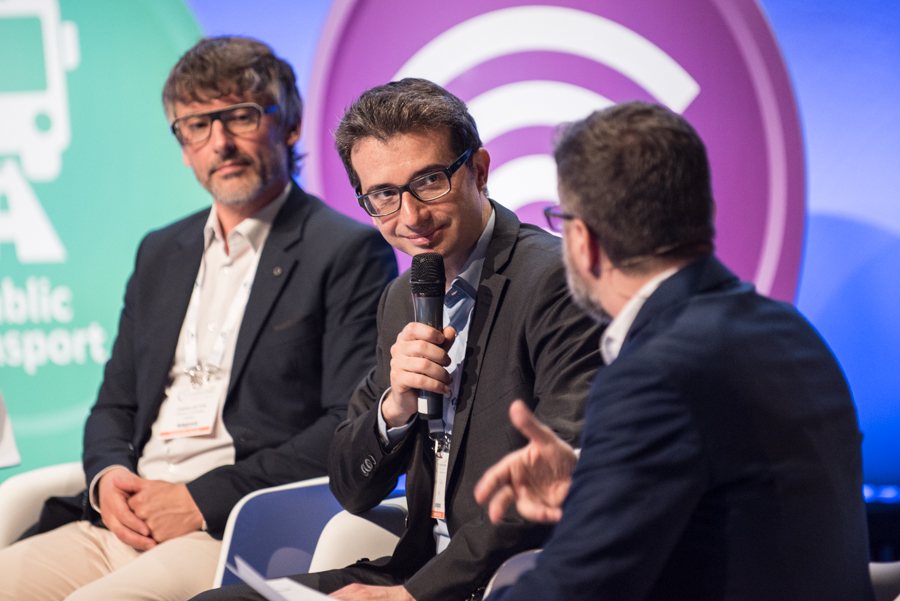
[(427, 275)]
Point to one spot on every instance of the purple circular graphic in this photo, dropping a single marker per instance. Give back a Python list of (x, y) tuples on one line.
[(522, 69)]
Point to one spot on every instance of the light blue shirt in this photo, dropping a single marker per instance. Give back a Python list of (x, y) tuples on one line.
[(459, 301)]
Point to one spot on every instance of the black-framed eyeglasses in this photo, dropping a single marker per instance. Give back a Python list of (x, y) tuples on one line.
[(556, 218), (424, 188), (237, 119)]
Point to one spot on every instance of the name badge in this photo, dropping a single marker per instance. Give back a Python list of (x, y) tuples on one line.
[(441, 462), (190, 412)]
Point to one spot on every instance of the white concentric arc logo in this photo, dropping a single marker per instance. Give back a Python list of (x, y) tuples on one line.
[(509, 107)]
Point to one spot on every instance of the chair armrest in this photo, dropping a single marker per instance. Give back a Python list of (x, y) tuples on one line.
[(885, 580), (512, 568), (22, 496)]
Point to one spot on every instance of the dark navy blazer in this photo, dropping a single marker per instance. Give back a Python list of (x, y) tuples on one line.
[(306, 340), (720, 460)]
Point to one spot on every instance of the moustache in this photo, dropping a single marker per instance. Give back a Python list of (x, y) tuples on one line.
[(235, 159)]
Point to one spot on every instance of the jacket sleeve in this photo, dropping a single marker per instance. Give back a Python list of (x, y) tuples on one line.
[(626, 490), (110, 427), (361, 469)]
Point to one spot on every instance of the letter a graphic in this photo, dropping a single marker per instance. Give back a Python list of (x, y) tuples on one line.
[(25, 223)]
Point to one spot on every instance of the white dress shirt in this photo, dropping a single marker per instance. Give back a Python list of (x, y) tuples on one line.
[(614, 335)]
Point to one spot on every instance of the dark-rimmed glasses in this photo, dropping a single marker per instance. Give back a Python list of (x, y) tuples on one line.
[(424, 188), (237, 119), (556, 218)]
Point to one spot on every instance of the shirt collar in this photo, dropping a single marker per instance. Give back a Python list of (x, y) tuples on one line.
[(468, 277), (253, 230), (614, 335)]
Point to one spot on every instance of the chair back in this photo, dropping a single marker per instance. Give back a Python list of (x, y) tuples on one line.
[(275, 530)]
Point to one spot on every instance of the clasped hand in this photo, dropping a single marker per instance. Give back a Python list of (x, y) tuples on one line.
[(143, 513)]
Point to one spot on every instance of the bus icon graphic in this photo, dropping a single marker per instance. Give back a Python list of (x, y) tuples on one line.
[(37, 48)]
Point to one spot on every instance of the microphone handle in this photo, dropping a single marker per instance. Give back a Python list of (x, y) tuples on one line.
[(430, 311)]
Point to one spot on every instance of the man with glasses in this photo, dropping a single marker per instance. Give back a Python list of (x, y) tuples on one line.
[(245, 330), (413, 153), (720, 458)]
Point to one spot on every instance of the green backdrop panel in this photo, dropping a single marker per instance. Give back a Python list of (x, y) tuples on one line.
[(87, 167)]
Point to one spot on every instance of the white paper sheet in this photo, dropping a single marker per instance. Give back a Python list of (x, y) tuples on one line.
[(277, 589), (9, 453)]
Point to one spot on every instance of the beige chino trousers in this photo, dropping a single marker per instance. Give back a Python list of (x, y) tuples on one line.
[(81, 562)]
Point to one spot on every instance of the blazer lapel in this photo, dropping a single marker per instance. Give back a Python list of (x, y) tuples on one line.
[(275, 269), (181, 267), (489, 297)]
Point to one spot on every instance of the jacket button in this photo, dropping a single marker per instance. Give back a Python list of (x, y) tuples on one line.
[(277, 271), (368, 465)]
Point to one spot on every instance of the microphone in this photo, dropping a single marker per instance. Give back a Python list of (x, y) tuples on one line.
[(427, 281)]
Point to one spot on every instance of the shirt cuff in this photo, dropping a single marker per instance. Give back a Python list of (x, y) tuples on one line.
[(93, 495), (391, 437)]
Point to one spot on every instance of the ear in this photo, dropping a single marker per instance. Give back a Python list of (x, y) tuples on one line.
[(584, 250), (293, 134), (599, 262), (481, 163)]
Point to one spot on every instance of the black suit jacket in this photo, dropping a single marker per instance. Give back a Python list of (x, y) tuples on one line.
[(720, 460), (305, 342), (527, 340)]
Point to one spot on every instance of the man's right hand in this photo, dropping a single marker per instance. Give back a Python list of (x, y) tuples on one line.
[(536, 477), (116, 514), (418, 361)]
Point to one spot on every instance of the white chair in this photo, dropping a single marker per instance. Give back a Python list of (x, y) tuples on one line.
[(885, 580), (347, 538), (512, 568), (275, 529), (300, 527), (22, 496)]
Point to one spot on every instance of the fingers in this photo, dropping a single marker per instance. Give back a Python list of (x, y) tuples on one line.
[(418, 360), (500, 502), (530, 427), (420, 332), (131, 538), (128, 482), (493, 479), (131, 521), (415, 372), (449, 338), (117, 516), (537, 512), (115, 488)]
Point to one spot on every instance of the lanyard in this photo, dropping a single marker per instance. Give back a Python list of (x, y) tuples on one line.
[(199, 372)]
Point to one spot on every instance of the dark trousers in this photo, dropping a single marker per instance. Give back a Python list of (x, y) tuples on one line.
[(325, 582)]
